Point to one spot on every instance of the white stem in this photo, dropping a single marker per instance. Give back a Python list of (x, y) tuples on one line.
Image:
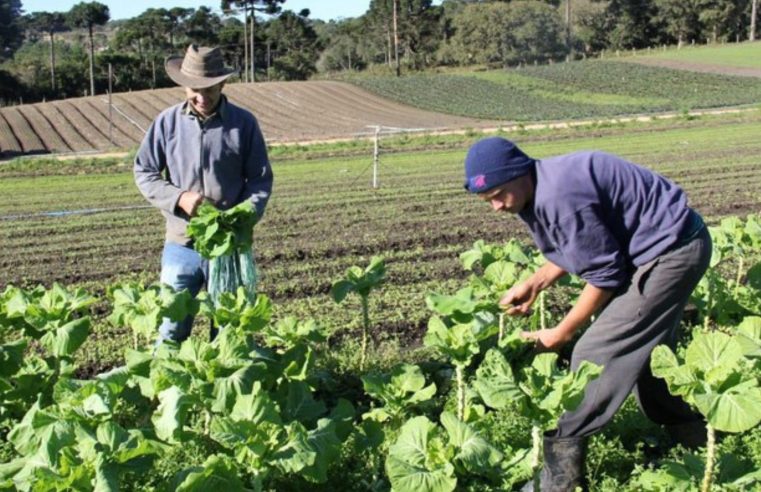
[(710, 459), (460, 393), (501, 326), (536, 451)]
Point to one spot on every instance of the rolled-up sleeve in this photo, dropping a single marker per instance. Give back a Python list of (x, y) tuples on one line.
[(589, 248), (258, 172), (150, 163)]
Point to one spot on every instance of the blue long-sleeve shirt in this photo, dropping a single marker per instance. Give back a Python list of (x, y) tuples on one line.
[(224, 158), (597, 215)]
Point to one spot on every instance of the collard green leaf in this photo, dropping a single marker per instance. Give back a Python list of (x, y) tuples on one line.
[(171, 414), (416, 461), (64, 341), (737, 409), (473, 451), (218, 472), (218, 233), (495, 382)]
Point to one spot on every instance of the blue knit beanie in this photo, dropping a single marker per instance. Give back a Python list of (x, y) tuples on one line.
[(492, 162)]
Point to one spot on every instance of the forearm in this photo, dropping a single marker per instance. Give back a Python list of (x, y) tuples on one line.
[(546, 275), (590, 301)]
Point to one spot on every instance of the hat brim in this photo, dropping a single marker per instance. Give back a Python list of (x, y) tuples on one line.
[(173, 66)]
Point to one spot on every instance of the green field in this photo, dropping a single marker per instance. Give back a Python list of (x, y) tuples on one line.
[(583, 89), (742, 55), (323, 218)]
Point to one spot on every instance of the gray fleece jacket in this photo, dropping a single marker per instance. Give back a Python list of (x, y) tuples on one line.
[(224, 158)]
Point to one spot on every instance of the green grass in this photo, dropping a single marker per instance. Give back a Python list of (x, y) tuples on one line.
[(583, 89), (737, 55)]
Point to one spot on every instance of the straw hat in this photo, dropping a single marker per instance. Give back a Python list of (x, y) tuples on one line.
[(200, 68)]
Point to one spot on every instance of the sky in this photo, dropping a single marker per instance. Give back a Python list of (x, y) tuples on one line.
[(121, 9)]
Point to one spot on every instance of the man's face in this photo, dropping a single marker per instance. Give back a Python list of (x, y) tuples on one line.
[(205, 100), (509, 197)]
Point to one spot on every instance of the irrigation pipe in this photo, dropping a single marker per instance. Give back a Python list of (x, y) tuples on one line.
[(65, 213)]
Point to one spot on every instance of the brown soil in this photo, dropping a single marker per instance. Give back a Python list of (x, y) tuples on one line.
[(287, 112)]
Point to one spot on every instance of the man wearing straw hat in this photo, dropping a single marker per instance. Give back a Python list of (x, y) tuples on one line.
[(202, 149)]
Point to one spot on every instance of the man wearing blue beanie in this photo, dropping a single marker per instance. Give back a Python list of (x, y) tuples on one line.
[(629, 233)]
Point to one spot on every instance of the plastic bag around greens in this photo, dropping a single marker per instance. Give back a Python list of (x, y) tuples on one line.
[(225, 238)]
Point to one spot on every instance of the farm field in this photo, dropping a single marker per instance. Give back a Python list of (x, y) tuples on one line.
[(307, 402), (582, 89), (324, 216), (287, 112), (731, 59)]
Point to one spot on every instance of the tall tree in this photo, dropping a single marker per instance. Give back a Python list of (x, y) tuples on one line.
[(268, 7), (11, 34), (681, 18), (88, 15), (202, 27), (753, 17), (296, 44), (176, 16), (417, 26), (48, 23)]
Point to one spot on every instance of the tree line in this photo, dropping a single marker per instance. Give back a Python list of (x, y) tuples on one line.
[(48, 55)]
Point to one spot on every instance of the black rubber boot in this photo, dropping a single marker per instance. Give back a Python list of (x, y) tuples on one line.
[(563, 469), (691, 435)]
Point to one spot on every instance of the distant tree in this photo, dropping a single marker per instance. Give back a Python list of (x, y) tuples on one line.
[(680, 18), (296, 45), (590, 27), (231, 38), (753, 19), (508, 34), (479, 36), (88, 15), (630, 24), (269, 7), (202, 27), (176, 16), (417, 26), (10, 88), (721, 18), (11, 34), (48, 23), (343, 41)]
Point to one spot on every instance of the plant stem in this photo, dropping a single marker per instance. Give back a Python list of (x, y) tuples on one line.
[(207, 422), (738, 278), (707, 318), (501, 326), (134, 338), (460, 393), (536, 451), (365, 330), (542, 309), (710, 459)]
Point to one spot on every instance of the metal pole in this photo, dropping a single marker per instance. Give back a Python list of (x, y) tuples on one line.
[(110, 107), (375, 157)]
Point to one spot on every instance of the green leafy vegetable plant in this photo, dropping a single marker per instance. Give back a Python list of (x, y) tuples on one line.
[(718, 380), (541, 394), (143, 308), (362, 282)]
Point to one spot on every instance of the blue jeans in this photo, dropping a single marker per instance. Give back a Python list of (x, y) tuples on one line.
[(182, 268)]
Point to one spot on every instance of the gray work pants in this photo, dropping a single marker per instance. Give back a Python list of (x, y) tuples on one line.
[(644, 313)]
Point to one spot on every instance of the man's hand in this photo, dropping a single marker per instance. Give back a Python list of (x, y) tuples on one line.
[(545, 340), (189, 202), (519, 298)]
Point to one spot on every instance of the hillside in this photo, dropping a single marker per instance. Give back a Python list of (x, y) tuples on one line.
[(287, 112), (742, 59), (582, 89)]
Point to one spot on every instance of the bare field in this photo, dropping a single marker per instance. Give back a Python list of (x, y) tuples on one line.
[(287, 112)]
